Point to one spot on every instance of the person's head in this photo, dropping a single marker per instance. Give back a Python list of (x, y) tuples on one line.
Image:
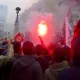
[(4, 45), (51, 48), (28, 48), (5, 39), (66, 53), (39, 50), (58, 56), (46, 53), (17, 47), (58, 45)]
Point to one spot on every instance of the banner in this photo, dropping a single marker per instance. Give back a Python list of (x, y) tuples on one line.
[(19, 37)]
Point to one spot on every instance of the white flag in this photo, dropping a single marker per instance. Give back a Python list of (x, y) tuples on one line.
[(68, 36)]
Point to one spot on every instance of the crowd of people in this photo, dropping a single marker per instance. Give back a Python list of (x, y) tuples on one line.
[(29, 62)]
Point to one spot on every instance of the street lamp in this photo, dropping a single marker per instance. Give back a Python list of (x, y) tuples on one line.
[(17, 10), (16, 29)]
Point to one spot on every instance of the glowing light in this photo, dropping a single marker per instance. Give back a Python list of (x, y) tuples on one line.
[(42, 29)]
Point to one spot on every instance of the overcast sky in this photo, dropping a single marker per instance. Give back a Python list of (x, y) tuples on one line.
[(12, 4)]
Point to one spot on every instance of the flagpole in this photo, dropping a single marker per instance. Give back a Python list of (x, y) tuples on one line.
[(42, 42)]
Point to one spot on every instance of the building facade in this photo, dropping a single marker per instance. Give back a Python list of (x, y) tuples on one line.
[(3, 16)]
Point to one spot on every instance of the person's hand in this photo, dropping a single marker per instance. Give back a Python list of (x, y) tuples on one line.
[(39, 37), (9, 41)]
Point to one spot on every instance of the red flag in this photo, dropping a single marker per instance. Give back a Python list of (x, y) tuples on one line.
[(19, 37)]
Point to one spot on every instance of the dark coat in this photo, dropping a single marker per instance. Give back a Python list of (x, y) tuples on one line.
[(70, 74), (26, 68), (44, 63), (7, 68)]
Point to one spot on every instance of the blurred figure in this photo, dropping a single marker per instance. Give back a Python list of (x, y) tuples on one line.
[(66, 53), (3, 43), (39, 50), (17, 55), (76, 37), (26, 67), (57, 66), (17, 48), (58, 45), (5, 59), (74, 72), (51, 48), (3, 47), (40, 57), (46, 56)]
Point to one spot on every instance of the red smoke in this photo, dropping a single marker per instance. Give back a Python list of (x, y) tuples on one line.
[(41, 25)]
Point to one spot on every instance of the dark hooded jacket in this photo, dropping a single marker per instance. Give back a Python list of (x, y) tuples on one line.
[(70, 74), (26, 68), (74, 72), (7, 68)]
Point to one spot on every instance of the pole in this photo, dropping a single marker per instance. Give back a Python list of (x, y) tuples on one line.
[(16, 28)]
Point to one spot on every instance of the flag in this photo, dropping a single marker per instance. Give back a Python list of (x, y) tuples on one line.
[(68, 31), (19, 37)]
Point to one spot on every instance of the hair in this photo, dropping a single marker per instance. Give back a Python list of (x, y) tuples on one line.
[(28, 48), (58, 56), (5, 38), (66, 53), (39, 49), (46, 52), (51, 46), (17, 47), (58, 45)]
